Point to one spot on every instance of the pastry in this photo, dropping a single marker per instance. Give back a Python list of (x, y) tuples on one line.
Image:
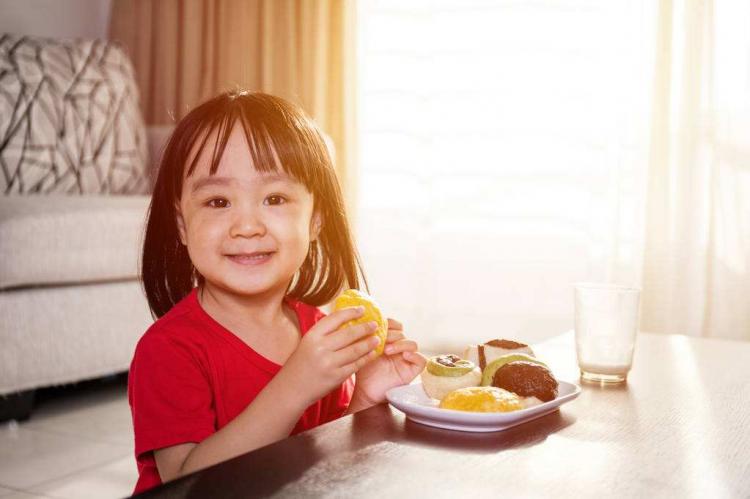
[(481, 399), (531, 381), (356, 298), (489, 371), (448, 372), (482, 355)]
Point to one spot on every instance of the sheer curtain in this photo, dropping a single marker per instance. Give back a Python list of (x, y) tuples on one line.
[(506, 152), (697, 267)]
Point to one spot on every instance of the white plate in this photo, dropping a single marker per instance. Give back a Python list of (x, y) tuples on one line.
[(414, 402)]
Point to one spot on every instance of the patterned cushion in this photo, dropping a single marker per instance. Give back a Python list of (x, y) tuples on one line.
[(69, 118)]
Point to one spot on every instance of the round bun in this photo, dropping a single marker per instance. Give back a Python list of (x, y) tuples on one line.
[(437, 386), (481, 399), (526, 379), (356, 298), (489, 371)]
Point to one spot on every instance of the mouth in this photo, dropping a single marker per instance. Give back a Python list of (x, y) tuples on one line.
[(254, 258)]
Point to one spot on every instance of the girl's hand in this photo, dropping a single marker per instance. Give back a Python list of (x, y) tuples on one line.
[(328, 354), (399, 365)]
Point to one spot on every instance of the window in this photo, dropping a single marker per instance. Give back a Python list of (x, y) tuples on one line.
[(503, 152)]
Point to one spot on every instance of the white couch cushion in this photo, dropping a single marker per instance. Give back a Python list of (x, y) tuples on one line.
[(65, 334), (59, 239)]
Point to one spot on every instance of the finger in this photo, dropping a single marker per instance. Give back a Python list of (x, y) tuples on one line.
[(415, 358), (394, 324), (417, 362), (355, 351), (394, 335), (348, 335), (401, 346), (355, 366), (335, 320)]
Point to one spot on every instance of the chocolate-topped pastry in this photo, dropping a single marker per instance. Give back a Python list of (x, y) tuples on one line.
[(488, 351), (507, 344), (489, 371), (526, 379)]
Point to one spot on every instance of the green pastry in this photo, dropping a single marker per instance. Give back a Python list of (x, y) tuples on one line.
[(448, 372), (489, 371)]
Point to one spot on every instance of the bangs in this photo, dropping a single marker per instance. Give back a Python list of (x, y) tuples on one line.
[(277, 139)]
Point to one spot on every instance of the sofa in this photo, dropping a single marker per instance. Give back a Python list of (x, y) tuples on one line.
[(75, 158)]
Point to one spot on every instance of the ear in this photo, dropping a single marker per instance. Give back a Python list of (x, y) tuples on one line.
[(315, 224), (180, 224)]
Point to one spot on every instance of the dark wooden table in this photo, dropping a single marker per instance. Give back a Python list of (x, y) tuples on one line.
[(680, 427)]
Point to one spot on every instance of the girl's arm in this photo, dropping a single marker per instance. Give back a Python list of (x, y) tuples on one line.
[(325, 357), (271, 416), (359, 402)]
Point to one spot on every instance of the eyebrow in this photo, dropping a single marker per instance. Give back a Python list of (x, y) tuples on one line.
[(223, 181), (208, 181)]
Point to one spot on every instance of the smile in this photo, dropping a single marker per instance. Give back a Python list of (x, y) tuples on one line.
[(256, 258)]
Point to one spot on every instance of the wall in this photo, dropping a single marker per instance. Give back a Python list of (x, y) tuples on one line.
[(56, 18)]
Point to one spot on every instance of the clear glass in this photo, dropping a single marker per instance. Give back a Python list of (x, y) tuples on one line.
[(606, 322)]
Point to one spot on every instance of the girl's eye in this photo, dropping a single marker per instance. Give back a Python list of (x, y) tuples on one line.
[(275, 199), (218, 203)]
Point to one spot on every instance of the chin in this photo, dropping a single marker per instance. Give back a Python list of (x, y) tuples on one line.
[(249, 287), (249, 283), (249, 291)]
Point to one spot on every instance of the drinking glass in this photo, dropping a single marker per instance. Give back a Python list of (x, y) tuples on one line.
[(606, 321)]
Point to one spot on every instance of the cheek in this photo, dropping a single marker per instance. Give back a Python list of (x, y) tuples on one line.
[(203, 232), (300, 234), (294, 231)]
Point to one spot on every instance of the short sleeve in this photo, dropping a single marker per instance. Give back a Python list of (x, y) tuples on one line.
[(170, 395)]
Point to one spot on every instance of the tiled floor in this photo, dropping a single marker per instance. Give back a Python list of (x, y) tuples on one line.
[(78, 443)]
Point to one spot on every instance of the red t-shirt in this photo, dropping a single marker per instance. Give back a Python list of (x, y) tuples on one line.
[(190, 376)]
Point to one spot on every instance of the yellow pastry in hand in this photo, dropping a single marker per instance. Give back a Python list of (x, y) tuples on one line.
[(481, 399), (356, 298)]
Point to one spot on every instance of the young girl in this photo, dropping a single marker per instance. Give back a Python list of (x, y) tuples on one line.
[(246, 235)]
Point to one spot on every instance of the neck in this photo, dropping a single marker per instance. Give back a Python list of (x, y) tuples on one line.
[(262, 311)]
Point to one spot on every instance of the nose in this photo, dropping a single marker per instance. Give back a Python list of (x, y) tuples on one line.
[(247, 222)]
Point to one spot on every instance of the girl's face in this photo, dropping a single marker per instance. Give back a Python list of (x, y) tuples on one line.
[(246, 232)]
